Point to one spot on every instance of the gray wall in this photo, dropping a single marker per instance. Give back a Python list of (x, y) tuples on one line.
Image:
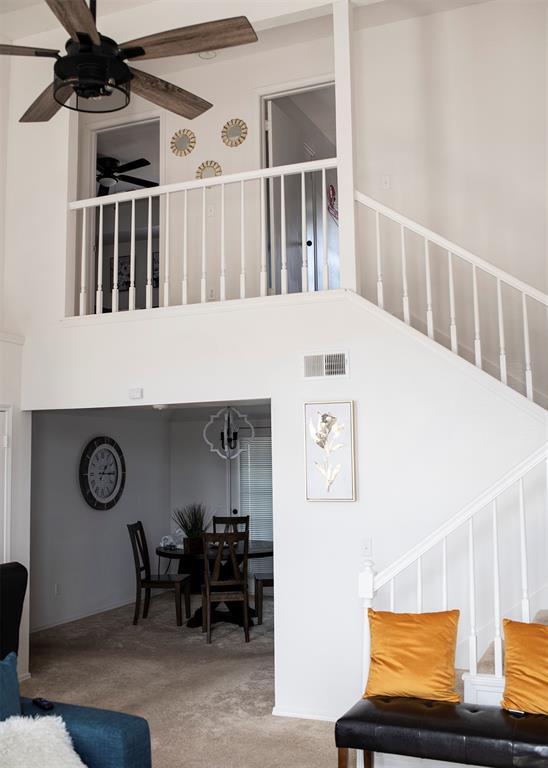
[(86, 551)]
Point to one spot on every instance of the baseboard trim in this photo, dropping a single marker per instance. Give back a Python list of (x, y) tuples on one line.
[(301, 715), (77, 617)]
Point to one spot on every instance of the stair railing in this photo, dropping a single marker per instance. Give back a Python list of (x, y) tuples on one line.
[(371, 583), (528, 295), (228, 237)]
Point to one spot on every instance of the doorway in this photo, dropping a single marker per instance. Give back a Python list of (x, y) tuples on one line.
[(127, 158), (300, 126)]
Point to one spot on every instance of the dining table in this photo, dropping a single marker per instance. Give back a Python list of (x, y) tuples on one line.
[(189, 561)]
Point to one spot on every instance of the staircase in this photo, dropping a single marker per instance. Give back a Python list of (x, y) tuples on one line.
[(489, 561), (480, 312)]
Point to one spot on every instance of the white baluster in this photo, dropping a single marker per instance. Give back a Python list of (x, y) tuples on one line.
[(185, 249), (264, 274), (525, 608), (392, 594), (115, 270), (380, 293), (83, 265), (149, 256), (452, 313), (283, 236), (325, 270), (304, 266), (131, 293), (203, 281), (405, 290), (477, 339), (502, 343), (496, 594), (472, 640), (527, 349), (166, 265), (419, 585), (366, 592), (222, 286), (444, 593), (429, 311), (99, 293), (242, 240)]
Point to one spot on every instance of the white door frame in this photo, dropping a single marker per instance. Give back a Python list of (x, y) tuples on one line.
[(5, 503)]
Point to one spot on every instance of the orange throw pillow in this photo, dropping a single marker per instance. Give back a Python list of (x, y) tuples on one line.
[(526, 667), (413, 655)]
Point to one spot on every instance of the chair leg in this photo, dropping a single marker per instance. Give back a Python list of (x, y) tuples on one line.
[(259, 601), (208, 618), (178, 611), (246, 619), (146, 605), (137, 605), (204, 609), (343, 757), (187, 598), (368, 759)]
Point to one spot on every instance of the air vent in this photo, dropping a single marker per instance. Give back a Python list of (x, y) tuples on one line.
[(327, 364)]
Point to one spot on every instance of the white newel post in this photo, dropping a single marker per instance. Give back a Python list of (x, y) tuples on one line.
[(342, 38), (366, 592)]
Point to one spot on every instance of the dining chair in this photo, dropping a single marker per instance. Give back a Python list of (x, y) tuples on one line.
[(262, 580), (225, 575), (147, 581), (232, 524)]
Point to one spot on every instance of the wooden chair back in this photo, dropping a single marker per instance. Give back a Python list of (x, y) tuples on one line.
[(234, 524), (228, 568), (140, 551)]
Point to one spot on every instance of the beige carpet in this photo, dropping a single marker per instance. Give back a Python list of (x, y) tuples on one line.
[(207, 706)]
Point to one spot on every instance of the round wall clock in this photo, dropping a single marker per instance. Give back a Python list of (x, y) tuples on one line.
[(102, 473)]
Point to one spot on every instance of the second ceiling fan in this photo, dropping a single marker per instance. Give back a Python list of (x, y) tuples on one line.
[(94, 69)]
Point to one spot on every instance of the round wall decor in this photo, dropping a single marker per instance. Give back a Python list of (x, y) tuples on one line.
[(183, 142), (208, 169), (234, 132), (102, 473)]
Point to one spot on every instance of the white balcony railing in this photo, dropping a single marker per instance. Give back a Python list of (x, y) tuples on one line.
[(238, 236)]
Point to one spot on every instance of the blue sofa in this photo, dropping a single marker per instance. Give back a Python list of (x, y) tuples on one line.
[(102, 738)]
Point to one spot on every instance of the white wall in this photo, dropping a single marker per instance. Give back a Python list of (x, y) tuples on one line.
[(4, 108), (452, 107), (10, 395), (85, 551), (432, 432)]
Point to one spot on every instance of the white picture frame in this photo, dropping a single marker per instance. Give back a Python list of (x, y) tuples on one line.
[(329, 451)]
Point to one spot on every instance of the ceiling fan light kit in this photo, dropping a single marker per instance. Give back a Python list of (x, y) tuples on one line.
[(92, 76)]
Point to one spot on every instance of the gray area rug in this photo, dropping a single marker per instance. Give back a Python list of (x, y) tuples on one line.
[(207, 706)]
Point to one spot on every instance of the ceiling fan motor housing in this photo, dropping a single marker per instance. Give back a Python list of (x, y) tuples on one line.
[(95, 74)]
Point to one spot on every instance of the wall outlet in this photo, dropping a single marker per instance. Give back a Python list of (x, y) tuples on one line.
[(56, 590), (135, 393), (386, 182)]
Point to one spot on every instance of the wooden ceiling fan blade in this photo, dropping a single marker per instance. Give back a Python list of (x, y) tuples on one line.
[(167, 95), (76, 17), (137, 182), (45, 107), (133, 165), (23, 50), (209, 36)]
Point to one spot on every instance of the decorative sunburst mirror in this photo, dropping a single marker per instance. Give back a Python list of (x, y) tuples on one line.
[(234, 132), (208, 169), (183, 142)]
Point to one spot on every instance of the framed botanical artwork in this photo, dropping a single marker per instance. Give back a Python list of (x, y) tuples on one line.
[(329, 451)]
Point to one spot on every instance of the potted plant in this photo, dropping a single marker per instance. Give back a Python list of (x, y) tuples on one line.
[(193, 519)]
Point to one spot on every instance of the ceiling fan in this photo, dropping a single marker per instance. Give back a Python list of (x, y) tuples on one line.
[(95, 72), (110, 172)]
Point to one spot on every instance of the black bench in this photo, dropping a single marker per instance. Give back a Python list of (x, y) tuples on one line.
[(458, 733)]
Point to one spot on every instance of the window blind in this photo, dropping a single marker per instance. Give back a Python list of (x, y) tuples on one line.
[(256, 493)]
